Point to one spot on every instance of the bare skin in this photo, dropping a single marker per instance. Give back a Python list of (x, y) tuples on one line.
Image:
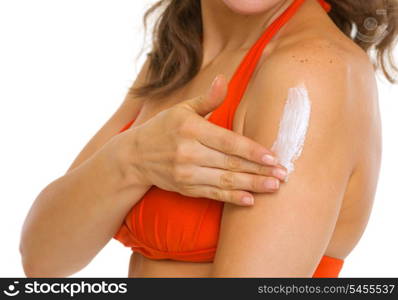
[(300, 46)]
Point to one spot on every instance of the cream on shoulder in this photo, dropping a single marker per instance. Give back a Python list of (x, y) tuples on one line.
[(293, 127)]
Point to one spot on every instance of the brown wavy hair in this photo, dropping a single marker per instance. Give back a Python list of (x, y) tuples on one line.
[(176, 54)]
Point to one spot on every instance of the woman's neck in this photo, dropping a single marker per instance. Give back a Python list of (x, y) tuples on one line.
[(224, 29)]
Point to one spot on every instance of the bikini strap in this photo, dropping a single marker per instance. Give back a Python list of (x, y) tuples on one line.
[(326, 5)]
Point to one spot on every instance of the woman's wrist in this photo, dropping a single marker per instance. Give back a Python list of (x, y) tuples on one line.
[(127, 160)]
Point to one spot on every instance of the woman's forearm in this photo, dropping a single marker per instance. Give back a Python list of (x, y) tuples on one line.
[(74, 217)]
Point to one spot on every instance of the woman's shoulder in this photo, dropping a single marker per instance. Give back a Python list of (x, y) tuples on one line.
[(327, 68), (338, 78), (316, 56), (324, 43), (338, 74)]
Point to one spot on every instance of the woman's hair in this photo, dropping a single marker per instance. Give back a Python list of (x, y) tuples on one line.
[(176, 53)]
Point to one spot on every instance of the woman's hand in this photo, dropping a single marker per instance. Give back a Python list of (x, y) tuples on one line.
[(179, 150)]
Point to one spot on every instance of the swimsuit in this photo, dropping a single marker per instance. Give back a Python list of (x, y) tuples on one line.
[(169, 225)]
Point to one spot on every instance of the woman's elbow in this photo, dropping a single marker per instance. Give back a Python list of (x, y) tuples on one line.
[(31, 268), (36, 265), (36, 269)]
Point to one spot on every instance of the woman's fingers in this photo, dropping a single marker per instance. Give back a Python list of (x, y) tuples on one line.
[(207, 157), (236, 197), (228, 180), (230, 142)]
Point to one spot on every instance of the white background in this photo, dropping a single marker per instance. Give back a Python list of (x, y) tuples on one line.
[(65, 67)]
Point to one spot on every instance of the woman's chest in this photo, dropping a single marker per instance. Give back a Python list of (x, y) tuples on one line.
[(199, 86)]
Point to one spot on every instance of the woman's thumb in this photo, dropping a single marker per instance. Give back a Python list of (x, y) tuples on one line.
[(205, 104)]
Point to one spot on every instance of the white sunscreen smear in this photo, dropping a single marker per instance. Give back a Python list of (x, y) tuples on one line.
[(293, 127)]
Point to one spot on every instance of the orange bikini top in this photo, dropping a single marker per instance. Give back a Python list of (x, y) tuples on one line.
[(168, 225)]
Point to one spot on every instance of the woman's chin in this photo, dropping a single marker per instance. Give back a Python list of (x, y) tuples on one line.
[(250, 7)]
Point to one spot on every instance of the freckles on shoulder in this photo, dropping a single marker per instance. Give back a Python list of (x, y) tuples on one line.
[(325, 68), (321, 69), (317, 59)]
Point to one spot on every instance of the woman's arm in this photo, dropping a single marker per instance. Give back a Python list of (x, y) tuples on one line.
[(74, 216), (177, 150), (285, 234)]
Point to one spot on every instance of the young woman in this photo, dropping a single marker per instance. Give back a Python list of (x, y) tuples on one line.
[(292, 123)]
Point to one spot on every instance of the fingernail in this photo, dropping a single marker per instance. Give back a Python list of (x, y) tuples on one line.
[(247, 200), (214, 81), (280, 173), (269, 159), (271, 184)]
